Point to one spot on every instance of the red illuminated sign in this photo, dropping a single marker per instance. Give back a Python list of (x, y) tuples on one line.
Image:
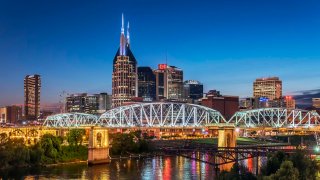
[(162, 66)]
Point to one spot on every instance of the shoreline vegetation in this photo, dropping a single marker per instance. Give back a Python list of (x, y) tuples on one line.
[(48, 150)]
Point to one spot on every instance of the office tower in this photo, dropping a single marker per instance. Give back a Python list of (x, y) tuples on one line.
[(193, 89), (146, 84), (270, 88), (124, 76), (91, 105), (32, 86), (105, 102), (76, 103), (169, 82)]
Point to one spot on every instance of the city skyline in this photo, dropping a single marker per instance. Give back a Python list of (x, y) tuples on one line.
[(235, 57)]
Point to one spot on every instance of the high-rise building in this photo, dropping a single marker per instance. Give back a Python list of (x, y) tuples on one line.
[(146, 84), (76, 102), (193, 90), (270, 88), (105, 102), (161, 82), (10, 114), (91, 104), (289, 102), (32, 86), (169, 82), (124, 76)]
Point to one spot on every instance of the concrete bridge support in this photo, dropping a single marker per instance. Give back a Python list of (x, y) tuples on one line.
[(98, 150), (227, 137)]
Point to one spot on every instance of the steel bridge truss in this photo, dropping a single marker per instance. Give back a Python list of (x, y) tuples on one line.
[(161, 115), (276, 118), (71, 120)]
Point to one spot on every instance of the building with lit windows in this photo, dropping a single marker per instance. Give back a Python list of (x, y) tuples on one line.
[(124, 75), (289, 102), (270, 88), (146, 84), (10, 114), (32, 87), (193, 90), (91, 104), (169, 83)]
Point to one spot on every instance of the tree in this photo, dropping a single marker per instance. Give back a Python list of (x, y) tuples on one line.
[(286, 172), (75, 136), (307, 167), (50, 146), (273, 163)]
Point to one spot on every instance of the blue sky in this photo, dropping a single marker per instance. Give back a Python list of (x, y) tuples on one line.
[(224, 44)]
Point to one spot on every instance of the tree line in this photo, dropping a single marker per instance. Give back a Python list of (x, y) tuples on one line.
[(279, 166), (49, 149)]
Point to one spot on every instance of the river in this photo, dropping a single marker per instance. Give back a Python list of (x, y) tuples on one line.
[(160, 167)]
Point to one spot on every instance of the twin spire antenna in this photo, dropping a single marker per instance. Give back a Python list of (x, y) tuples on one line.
[(124, 41)]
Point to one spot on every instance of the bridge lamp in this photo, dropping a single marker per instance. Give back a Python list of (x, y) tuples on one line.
[(237, 130)]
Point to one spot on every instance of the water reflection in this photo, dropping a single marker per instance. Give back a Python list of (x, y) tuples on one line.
[(166, 167), (170, 167)]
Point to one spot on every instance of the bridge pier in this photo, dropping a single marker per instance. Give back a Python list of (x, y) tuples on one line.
[(227, 137), (98, 150)]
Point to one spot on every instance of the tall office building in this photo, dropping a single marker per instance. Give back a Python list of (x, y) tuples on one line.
[(146, 84), (32, 86), (169, 82), (270, 88), (193, 89), (105, 101), (124, 76), (76, 102)]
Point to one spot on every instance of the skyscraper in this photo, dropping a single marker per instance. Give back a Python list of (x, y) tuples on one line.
[(146, 84), (169, 82), (193, 89), (270, 88), (124, 76), (32, 86)]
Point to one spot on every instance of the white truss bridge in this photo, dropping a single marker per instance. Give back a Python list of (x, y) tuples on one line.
[(179, 115), (276, 118), (143, 115)]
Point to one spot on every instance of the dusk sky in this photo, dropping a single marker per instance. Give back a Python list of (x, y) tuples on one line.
[(225, 44)]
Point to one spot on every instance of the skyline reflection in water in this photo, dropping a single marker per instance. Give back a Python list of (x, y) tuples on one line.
[(161, 167)]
